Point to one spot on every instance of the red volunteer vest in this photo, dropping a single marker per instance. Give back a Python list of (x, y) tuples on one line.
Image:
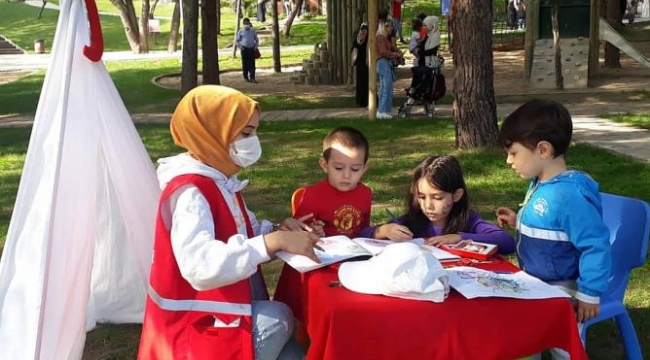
[(179, 320)]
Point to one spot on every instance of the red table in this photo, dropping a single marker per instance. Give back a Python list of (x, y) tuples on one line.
[(342, 324)]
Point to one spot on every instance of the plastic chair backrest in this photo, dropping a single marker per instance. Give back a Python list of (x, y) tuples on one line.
[(296, 199), (628, 220)]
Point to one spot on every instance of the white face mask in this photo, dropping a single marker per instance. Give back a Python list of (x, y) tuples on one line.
[(245, 152)]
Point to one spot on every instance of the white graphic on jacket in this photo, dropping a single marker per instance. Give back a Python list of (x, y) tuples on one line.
[(540, 207)]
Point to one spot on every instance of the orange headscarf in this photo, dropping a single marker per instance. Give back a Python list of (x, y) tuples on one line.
[(207, 120)]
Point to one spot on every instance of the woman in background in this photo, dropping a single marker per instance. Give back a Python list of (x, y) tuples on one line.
[(360, 61)]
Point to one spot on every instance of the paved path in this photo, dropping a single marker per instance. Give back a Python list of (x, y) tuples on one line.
[(588, 128)]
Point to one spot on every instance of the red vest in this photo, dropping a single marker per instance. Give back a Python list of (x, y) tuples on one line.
[(179, 320)]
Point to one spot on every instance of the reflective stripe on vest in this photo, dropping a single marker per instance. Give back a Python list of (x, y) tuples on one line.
[(200, 305)]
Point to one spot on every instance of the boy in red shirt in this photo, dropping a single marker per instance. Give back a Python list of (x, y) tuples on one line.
[(340, 203)]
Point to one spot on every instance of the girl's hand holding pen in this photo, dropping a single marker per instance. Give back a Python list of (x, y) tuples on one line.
[(395, 232)]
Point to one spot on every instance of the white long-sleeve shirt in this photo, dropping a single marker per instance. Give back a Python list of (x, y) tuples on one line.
[(204, 262)]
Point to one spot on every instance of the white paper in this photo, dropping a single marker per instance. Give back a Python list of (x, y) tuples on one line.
[(376, 246), (337, 248), (340, 248), (472, 283)]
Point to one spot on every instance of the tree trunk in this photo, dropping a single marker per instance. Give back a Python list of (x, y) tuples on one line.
[(474, 106), (237, 16), (294, 12), (130, 23), (40, 13), (144, 28), (559, 78), (152, 10), (218, 18), (189, 70), (614, 15), (209, 42), (277, 64), (172, 45)]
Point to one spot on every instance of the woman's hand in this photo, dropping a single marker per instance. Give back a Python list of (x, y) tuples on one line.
[(443, 239), (506, 216), (294, 242)]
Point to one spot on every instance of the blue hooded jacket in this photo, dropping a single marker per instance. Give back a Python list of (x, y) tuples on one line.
[(561, 234)]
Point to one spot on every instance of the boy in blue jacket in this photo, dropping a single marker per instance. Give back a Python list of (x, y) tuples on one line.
[(561, 237)]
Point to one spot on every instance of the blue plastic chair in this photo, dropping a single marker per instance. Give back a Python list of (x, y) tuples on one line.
[(628, 220)]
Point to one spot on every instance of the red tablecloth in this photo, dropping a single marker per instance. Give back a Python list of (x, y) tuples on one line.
[(342, 324)]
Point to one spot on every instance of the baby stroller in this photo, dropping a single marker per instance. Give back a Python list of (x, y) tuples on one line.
[(427, 87)]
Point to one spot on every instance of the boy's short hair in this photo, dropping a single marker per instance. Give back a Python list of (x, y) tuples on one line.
[(246, 21), (538, 120), (421, 16), (348, 137), (416, 24)]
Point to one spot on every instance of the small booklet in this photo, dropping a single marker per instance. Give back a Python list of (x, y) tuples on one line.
[(340, 248), (472, 249)]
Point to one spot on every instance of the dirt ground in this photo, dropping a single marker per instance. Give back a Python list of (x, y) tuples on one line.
[(509, 82)]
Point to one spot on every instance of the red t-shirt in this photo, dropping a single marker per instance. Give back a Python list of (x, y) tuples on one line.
[(396, 10), (344, 213)]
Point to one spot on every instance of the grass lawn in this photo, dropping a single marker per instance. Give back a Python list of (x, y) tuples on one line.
[(20, 23), (290, 160), (133, 80), (638, 120)]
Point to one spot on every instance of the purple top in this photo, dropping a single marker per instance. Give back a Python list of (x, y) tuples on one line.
[(477, 230)]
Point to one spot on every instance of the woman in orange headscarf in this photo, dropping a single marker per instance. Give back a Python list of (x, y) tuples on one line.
[(207, 298)]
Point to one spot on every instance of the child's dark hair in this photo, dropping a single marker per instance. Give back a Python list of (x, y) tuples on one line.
[(348, 137), (421, 16), (444, 173), (382, 14), (538, 120), (416, 24), (246, 21)]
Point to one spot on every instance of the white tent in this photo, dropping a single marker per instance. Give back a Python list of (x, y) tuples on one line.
[(79, 244)]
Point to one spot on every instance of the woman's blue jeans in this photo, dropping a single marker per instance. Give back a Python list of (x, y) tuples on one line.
[(386, 80)]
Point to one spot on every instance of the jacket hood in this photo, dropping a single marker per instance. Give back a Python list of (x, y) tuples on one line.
[(184, 164), (581, 180)]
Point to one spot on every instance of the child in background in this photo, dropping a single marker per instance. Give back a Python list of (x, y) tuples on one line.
[(208, 245), (562, 239), (416, 39), (340, 203), (438, 210), (424, 30)]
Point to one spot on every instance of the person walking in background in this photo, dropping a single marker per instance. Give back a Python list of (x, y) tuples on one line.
[(386, 54), (360, 62), (396, 15), (261, 11), (247, 42), (644, 8)]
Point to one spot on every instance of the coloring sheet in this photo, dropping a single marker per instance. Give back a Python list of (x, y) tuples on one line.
[(472, 283)]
